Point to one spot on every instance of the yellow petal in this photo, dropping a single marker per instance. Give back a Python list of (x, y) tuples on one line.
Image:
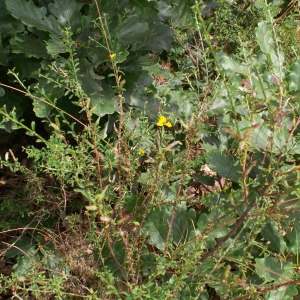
[(141, 152), (112, 55), (161, 121)]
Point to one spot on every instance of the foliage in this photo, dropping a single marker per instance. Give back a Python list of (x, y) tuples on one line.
[(163, 162)]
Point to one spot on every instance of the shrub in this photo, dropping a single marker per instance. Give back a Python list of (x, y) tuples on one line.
[(166, 168)]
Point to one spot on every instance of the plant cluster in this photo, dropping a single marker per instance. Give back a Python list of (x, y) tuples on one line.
[(163, 159)]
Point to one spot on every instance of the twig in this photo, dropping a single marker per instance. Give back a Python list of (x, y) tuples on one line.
[(221, 241), (270, 288), (44, 101)]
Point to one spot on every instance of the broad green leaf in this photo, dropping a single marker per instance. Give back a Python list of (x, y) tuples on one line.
[(218, 106), (260, 136), (54, 261), (277, 59), (144, 177), (143, 62), (133, 30), (271, 269), (119, 253), (26, 264), (219, 230), (157, 226), (209, 7), (34, 16), (29, 45), (145, 35), (148, 261), (56, 45), (136, 93), (214, 232), (270, 233), (202, 222), (4, 57), (104, 102), (231, 65), (26, 67), (294, 77), (101, 94), (133, 202), (283, 293), (280, 140), (261, 87), (178, 13), (11, 102), (181, 102), (293, 238), (264, 38), (182, 224), (41, 109), (160, 38), (169, 191), (9, 26), (121, 56), (66, 12), (21, 246), (2, 92), (49, 90), (108, 6), (225, 165)]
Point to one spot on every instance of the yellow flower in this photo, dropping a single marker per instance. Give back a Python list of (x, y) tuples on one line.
[(141, 152), (163, 121), (112, 56)]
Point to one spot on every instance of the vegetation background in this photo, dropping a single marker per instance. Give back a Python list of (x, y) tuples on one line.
[(149, 149)]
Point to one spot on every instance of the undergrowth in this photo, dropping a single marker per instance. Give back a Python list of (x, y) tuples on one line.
[(158, 168)]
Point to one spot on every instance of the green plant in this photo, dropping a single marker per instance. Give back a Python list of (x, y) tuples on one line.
[(167, 170)]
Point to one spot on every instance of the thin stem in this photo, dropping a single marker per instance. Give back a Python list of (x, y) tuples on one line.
[(120, 97), (218, 66), (27, 93)]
